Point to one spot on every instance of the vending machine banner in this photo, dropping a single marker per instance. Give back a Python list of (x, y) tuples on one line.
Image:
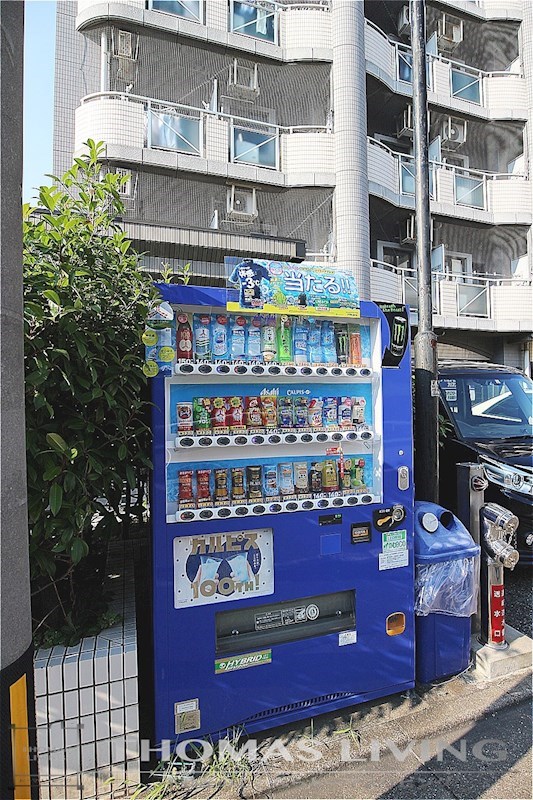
[(213, 568), (398, 324), (279, 287)]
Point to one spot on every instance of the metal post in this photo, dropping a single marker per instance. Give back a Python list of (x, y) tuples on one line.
[(352, 225), (471, 485), (16, 662), (425, 344), (498, 526)]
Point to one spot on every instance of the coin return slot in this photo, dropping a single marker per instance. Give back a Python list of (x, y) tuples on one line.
[(186, 441), (258, 370), (291, 506), (205, 368), (259, 509), (186, 367), (223, 369)]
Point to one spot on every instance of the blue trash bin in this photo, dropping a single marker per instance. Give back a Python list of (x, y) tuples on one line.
[(446, 587)]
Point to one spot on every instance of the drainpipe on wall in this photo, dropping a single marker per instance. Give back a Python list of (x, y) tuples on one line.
[(104, 62), (351, 173)]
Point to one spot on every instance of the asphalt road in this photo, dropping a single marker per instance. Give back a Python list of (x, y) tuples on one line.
[(518, 603), (489, 758)]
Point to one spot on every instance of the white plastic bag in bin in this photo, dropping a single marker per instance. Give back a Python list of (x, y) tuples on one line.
[(448, 587)]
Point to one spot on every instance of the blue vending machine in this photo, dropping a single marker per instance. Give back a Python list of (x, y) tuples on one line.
[(282, 511)]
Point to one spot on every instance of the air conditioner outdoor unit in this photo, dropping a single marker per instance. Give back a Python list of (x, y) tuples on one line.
[(241, 203), (449, 32), (453, 133), (404, 22), (404, 123), (408, 230)]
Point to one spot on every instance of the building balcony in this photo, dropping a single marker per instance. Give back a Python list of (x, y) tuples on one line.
[(451, 85), (468, 303), (141, 131), (494, 199), (488, 9), (281, 31)]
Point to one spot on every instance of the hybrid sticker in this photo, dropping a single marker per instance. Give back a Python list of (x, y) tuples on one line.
[(214, 568), (394, 550), (243, 662)]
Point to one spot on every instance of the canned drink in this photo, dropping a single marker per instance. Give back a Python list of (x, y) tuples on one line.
[(301, 412), (269, 411), (237, 483), (315, 477), (398, 334), (315, 412), (358, 410), (254, 482), (329, 412), (252, 412), (185, 485), (270, 480), (221, 485), (301, 477), (286, 478), (346, 477), (219, 413), (203, 484), (201, 409), (185, 417), (285, 413), (344, 412), (235, 413), (330, 480)]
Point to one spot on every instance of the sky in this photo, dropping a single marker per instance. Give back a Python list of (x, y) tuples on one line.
[(39, 48)]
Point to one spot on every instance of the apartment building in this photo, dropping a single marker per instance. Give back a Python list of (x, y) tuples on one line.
[(284, 131)]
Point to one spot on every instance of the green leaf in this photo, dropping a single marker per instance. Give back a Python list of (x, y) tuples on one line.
[(78, 550), (57, 442), (52, 473), (130, 475), (53, 296), (122, 452), (55, 498)]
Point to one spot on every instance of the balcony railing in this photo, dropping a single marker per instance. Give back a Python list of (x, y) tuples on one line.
[(449, 184), (444, 75), (476, 296)]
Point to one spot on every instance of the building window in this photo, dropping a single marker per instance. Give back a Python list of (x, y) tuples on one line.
[(255, 18), (466, 86), (469, 191), (254, 147), (190, 9), (173, 132)]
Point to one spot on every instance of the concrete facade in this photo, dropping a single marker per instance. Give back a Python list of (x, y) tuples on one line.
[(205, 102)]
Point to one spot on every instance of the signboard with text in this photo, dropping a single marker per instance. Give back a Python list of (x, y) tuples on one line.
[(280, 287)]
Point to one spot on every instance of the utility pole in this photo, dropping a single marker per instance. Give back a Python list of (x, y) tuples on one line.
[(425, 344), (16, 654)]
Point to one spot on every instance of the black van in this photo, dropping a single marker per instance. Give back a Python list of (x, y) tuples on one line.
[(490, 413)]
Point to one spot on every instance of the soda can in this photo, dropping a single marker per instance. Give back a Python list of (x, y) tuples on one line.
[(315, 477), (219, 413), (269, 411), (252, 412), (235, 413)]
